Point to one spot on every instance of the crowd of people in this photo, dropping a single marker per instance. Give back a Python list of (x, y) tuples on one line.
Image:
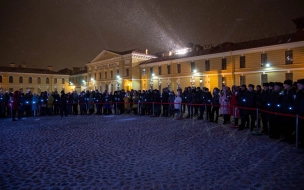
[(277, 105)]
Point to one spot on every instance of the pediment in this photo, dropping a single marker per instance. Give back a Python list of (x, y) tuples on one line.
[(104, 55)]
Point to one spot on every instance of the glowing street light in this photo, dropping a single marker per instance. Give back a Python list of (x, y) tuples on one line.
[(267, 65), (153, 75), (194, 71)]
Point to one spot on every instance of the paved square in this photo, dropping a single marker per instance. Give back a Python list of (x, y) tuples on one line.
[(141, 152)]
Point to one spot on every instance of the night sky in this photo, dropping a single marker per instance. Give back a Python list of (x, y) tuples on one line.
[(67, 33)]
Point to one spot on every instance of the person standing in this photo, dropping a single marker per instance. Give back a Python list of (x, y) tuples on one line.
[(14, 104), (225, 104), (178, 106), (250, 100), (215, 105), (299, 109), (34, 104)]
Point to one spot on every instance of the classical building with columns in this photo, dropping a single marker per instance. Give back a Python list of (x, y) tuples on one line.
[(34, 79)]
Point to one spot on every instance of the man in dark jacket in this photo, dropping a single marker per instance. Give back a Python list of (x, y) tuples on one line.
[(275, 106), (299, 108), (263, 101), (288, 102), (165, 99), (249, 101)]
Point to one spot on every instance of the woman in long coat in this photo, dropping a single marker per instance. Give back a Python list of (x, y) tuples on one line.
[(225, 104)]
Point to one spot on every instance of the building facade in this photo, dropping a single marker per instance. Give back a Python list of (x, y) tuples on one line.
[(271, 59), (111, 71), (36, 80)]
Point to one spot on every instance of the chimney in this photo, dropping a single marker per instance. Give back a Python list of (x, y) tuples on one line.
[(50, 68), (146, 51), (300, 27), (12, 65)]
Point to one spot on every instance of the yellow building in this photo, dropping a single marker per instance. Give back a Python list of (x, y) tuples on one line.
[(111, 71), (253, 62), (271, 59), (36, 80)]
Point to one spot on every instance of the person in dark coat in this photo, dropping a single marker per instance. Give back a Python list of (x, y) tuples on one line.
[(250, 100), (288, 102), (263, 101), (299, 109), (215, 105), (63, 104), (275, 107), (14, 104), (165, 99)]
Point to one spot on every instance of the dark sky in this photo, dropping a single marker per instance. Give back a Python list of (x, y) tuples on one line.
[(67, 33)]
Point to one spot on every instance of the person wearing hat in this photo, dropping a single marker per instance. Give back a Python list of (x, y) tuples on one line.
[(250, 101), (275, 107), (271, 85), (299, 109), (263, 104), (288, 102)]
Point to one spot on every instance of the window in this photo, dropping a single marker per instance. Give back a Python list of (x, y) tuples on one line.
[(151, 71), (99, 77), (192, 66), (263, 59), (242, 62), (39, 80), (169, 69), (62, 81), (55, 80), (10, 79), (289, 76), (47, 80), (111, 73), (20, 79), (242, 80), (224, 80), (127, 72), (107, 87), (264, 78), (178, 68), (0, 78), (207, 65), (224, 64), (143, 72), (30, 80), (159, 70), (288, 57), (106, 76)]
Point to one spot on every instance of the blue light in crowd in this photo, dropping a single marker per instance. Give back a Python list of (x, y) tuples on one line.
[(268, 104), (278, 105), (34, 102), (244, 100), (26, 102), (290, 108)]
